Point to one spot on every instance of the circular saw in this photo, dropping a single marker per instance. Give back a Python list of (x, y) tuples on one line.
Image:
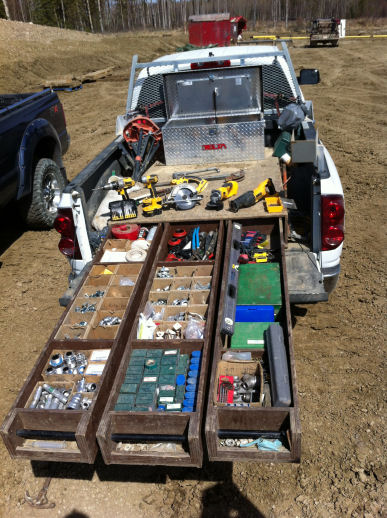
[(184, 197)]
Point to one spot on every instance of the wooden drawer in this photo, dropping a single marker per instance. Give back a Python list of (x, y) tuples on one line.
[(24, 427), (235, 422), (71, 433), (183, 429)]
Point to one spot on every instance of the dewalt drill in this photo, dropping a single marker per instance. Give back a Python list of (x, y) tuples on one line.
[(125, 209), (121, 185), (250, 198), (153, 205)]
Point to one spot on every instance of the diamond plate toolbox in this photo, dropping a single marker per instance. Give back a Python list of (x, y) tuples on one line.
[(201, 143)]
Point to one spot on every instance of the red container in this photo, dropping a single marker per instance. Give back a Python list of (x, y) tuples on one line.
[(218, 28)]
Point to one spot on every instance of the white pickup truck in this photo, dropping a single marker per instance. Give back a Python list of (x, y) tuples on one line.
[(172, 91)]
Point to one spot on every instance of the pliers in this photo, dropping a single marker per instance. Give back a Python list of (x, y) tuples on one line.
[(196, 244)]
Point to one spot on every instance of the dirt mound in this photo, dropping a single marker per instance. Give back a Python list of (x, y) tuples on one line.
[(31, 54)]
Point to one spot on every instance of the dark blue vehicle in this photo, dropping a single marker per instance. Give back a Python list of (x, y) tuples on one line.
[(33, 139)]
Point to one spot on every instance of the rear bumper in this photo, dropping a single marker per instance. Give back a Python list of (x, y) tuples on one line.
[(331, 271)]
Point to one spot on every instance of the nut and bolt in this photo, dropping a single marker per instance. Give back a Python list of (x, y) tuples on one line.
[(109, 321), (164, 273)]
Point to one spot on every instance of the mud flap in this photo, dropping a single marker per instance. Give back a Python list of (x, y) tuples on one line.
[(305, 280)]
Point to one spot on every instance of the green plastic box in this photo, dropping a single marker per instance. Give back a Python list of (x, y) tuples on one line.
[(249, 335), (123, 407), (139, 353), (260, 284), (128, 388), (125, 399), (167, 379), (133, 378)]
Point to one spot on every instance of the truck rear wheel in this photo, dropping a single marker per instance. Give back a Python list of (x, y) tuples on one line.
[(40, 208)]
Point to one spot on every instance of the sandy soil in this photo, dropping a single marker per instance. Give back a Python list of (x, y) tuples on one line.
[(339, 345)]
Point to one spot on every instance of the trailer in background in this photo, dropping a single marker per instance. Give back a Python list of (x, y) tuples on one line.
[(214, 29)]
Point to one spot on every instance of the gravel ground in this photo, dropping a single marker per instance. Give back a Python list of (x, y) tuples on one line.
[(339, 345)]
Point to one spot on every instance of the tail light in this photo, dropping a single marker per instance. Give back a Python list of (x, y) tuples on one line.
[(64, 224), (211, 64), (332, 221)]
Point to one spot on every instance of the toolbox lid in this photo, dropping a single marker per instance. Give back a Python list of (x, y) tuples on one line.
[(213, 92)]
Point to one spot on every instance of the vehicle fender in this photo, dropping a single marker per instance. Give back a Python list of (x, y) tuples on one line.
[(330, 184), (35, 133)]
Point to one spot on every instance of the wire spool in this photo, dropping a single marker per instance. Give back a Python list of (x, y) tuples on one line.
[(126, 231), (140, 244), (135, 255)]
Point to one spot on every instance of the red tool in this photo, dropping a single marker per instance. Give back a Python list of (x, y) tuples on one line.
[(127, 231), (226, 389), (135, 125), (143, 137)]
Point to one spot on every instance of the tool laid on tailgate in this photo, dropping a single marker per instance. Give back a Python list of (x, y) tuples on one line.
[(250, 198), (125, 208), (153, 205), (222, 193), (183, 197)]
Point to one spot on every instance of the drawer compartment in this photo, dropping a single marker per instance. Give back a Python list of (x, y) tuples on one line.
[(129, 434), (242, 424)]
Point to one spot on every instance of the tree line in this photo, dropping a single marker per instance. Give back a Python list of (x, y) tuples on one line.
[(124, 15)]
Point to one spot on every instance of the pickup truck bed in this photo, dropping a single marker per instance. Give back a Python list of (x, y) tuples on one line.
[(255, 173)]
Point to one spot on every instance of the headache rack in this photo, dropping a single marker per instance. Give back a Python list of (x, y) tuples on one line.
[(146, 91), (213, 107)]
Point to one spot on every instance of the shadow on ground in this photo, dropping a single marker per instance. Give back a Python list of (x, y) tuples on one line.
[(11, 229), (223, 500)]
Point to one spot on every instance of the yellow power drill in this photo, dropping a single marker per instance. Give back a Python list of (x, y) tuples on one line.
[(121, 185), (222, 193), (126, 208), (250, 198), (153, 205)]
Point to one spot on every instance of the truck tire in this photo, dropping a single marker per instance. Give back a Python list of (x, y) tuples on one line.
[(40, 207)]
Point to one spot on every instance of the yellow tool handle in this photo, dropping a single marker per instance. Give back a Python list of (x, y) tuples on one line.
[(201, 184)]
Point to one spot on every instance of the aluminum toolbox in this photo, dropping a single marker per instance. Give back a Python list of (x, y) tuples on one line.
[(24, 427), (213, 115), (223, 421), (138, 427), (200, 141)]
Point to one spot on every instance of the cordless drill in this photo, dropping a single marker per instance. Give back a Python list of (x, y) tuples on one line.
[(151, 206), (126, 208), (121, 185)]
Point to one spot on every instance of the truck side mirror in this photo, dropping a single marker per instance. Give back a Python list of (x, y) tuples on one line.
[(309, 76)]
